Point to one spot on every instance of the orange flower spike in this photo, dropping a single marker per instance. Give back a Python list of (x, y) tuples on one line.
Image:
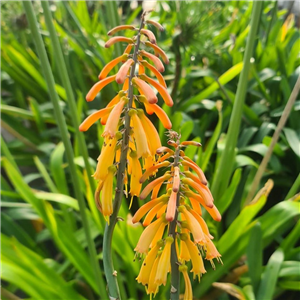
[(144, 274), (145, 208), (150, 131), (151, 214), (96, 88), (193, 225), (191, 143), (106, 158), (171, 207), (159, 77), (164, 263), (136, 173), (176, 180), (159, 51), (157, 62), (196, 168), (162, 90), (113, 119), (146, 89), (107, 192), (90, 120), (122, 74), (139, 135), (149, 34), (152, 169), (156, 24), (148, 234), (111, 65), (116, 39), (152, 184), (121, 27), (152, 286), (163, 117), (202, 191), (188, 293)]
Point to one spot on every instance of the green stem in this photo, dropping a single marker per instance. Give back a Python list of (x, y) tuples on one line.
[(293, 190), (65, 137), (223, 173), (113, 289)]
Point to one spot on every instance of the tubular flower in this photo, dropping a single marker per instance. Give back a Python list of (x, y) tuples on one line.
[(130, 139), (191, 233), (159, 51)]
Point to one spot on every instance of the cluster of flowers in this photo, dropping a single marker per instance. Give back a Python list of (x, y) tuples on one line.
[(183, 195), (144, 139)]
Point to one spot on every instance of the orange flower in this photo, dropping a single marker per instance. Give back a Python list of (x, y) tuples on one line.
[(139, 135), (153, 286), (150, 131), (111, 65), (211, 251), (176, 180), (149, 34), (162, 116), (184, 254), (147, 265), (171, 207), (96, 88), (207, 202), (192, 143), (164, 149), (106, 158), (136, 173), (150, 171), (121, 27), (188, 294), (188, 162), (128, 48), (196, 206), (159, 77), (159, 51), (113, 119), (148, 235), (121, 75), (156, 24), (116, 39), (164, 263), (158, 64), (146, 89), (90, 120), (152, 184), (154, 211), (163, 91)]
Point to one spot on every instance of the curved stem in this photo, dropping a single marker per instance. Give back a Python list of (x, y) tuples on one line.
[(113, 289)]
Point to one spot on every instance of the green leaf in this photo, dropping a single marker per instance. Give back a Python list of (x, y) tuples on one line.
[(293, 140), (270, 275), (289, 269), (289, 285)]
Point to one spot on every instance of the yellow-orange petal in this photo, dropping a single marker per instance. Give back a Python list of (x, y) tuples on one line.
[(197, 169), (162, 90), (152, 286), (159, 77), (176, 180), (192, 176), (192, 143), (136, 173), (97, 196), (128, 49), (159, 232), (201, 222), (156, 190), (113, 119), (107, 193), (164, 149), (196, 206), (211, 251), (171, 209), (139, 136), (90, 120), (96, 88), (121, 75), (111, 65), (152, 184), (152, 212), (206, 202), (116, 39), (156, 24), (164, 157), (148, 235), (149, 34), (188, 293), (214, 212), (159, 51), (184, 254), (153, 169), (146, 89), (157, 62), (163, 117), (121, 27), (164, 263), (105, 159)]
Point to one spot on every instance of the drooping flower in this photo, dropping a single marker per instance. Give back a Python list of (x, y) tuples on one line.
[(188, 293)]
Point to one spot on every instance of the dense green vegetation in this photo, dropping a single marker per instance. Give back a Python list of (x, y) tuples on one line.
[(44, 245)]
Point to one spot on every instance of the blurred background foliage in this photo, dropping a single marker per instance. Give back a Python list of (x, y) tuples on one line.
[(43, 243)]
